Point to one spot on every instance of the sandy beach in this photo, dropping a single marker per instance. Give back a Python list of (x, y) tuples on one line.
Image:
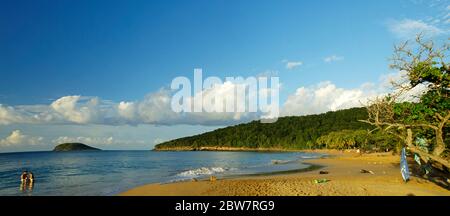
[(344, 178)]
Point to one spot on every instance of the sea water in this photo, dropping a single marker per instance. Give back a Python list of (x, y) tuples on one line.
[(112, 172)]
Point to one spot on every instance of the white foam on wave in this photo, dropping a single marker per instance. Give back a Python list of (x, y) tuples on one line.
[(309, 156), (300, 158), (203, 171), (281, 161)]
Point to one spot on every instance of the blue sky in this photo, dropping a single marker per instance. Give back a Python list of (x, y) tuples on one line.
[(129, 51)]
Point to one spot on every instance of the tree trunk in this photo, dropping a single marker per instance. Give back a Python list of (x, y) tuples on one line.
[(423, 155), (440, 145), (409, 137)]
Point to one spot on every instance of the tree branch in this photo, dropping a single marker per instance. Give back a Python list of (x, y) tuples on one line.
[(423, 154)]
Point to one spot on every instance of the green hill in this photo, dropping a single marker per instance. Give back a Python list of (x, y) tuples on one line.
[(296, 132), (74, 147)]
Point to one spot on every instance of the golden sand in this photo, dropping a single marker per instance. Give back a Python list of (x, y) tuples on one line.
[(344, 178)]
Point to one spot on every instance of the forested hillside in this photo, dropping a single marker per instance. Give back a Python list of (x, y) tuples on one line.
[(296, 132)]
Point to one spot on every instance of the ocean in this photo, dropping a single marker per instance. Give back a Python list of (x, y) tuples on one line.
[(107, 173)]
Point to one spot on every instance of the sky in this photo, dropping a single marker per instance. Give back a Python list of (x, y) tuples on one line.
[(99, 72)]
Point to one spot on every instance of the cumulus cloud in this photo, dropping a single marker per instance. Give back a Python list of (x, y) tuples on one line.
[(333, 58), (408, 28), (401, 78), (17, 138), (75, 110), (292, 64), (326, 96), (127, 109), (155, 108), (8, 115)]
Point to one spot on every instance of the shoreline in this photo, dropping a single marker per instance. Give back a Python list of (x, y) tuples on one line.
[(344, 178), (230, 149)]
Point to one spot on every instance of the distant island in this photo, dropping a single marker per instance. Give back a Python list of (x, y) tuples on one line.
[(74, 147), (332, 130)]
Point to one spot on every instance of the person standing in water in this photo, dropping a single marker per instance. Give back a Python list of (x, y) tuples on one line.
[(23, 181), (30, 177), (30, 181), (26, 181), (24, 176)]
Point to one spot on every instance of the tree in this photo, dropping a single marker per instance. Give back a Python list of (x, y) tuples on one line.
[(345, 139), (294, 132), (420, 102)]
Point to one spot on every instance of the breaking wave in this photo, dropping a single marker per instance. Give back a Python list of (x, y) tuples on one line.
[(281, 161), (203, 171)]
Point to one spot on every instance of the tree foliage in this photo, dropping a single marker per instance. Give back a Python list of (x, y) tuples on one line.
[(425, 114), (361, 139), (295, 132)]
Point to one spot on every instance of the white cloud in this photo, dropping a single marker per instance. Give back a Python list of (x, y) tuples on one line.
[(293, 64), (326, 96), (408, 28), (155, 108), (333, 58), (17, 138), (401, 78), (217, 94), (8, 115), (74, 109), (127, 110)]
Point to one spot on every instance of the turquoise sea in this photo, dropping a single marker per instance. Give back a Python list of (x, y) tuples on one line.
[(112, 172)]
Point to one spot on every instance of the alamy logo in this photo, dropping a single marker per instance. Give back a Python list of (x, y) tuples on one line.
[(235, 95)]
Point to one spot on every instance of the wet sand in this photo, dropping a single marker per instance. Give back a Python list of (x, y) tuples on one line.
[(344, 178)]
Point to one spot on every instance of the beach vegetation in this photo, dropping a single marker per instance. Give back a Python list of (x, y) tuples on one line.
[(418, 109), (358, 139), (340, 129)]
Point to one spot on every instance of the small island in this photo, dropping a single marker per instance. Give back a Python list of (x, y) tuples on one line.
[(74, 147)]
